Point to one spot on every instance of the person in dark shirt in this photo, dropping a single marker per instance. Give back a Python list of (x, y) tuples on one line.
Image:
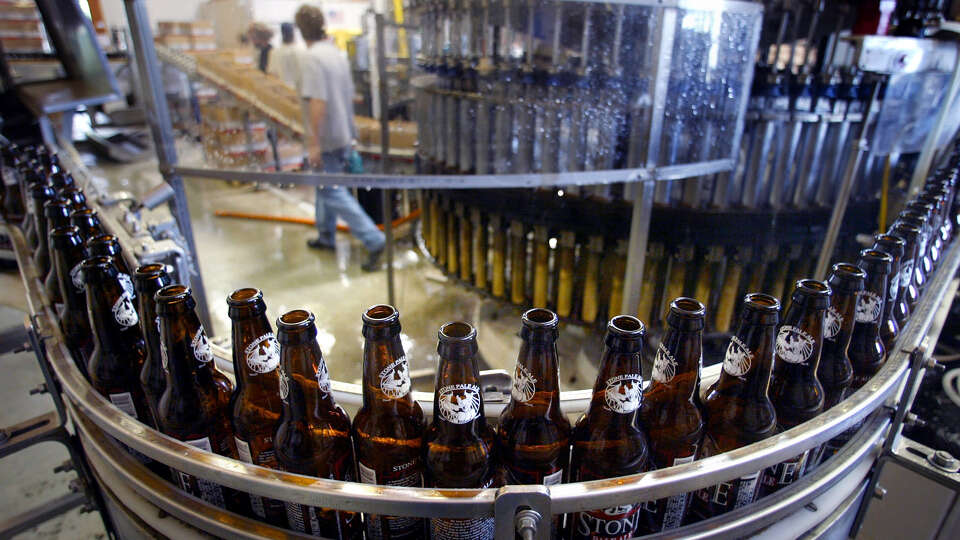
[(260, 35)]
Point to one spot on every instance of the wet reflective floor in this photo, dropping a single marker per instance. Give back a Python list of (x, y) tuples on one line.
[(274, 257)]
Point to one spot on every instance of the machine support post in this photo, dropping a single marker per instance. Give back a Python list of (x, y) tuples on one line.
[(155, 105), (637, 248), (387, 194)]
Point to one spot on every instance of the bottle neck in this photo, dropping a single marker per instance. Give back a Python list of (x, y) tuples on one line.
[(618, 389), (536, 376), (256, 352), (386, 372), (871, 302), (800, 337), (114, 318), (304, 381), (748, 361), (838, 321), (458, 398), (677, 363)]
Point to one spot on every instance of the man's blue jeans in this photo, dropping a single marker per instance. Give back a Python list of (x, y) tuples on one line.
[(338, 201)]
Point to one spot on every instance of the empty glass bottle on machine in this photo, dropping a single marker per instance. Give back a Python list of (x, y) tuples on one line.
[(867, 353), (738, 409), (909, 291), (388, 429), (459, 448), (313, 437), (149, 279), (58, 215), (118, 349), (608, 439), (191, 408), (835, 371), (68, 256), (670, 413), (795, 391), (256, 405), (893, 246)]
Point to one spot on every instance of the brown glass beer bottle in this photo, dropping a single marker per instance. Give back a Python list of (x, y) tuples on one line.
[(738, 409), (192, 408), (670, 412), (313, 438), (893, 246), (835, 371), (34, 188), (87, 221), (388, 429), (58, 215), (256, 405), (149, 279), (74, 198), (609, 439), (795, 391), (923, 264), (106, 245), (867, 352), (68, 256), (459, 445), (39, 195), (909, 292), (533, 434), (118, 349), (13, 208)]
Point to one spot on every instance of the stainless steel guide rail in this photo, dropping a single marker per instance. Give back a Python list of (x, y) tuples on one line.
[(464, 503)]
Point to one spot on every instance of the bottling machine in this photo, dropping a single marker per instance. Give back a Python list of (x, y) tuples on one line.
[(596, 158)]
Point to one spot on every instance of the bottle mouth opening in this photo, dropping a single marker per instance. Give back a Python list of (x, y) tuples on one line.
[(688, 307), (627, 325), (66, 230), (875, 255), (94, 262), (244, 296), (150, 270), (891, 239), (102, 239), (84, 212), (297, 318), (906, 228), (762, 302), (813, 287), (457, 331), (848, 270), (172, 293), (381, 313), (540, 318)]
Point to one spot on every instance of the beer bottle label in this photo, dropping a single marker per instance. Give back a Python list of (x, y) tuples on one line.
[(869, 304), (201, 346), (263, 354), (747, 490), (832, 321), (617, 522), (524, 384), (208, 491), (553, 479), (729, 495), (459, 403), (395, 379), (124, 312), (124, 402), (323, 377), (623, 393), (126, 283), (906, 272), (664, 365), (256, 502), (785, 472), (31, 205), (298, 516), (738, 358), (397, 526), (397, 476), (76, 277), (894, 285), (465, 529), (674, 513), (283, 383), (794, 345)]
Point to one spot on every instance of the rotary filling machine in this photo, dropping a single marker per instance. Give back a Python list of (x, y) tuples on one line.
[(650, 83)]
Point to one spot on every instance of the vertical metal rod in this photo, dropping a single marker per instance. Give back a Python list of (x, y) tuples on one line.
[(637, 248), (930, 144), (840, 208), (386, 194), (155, 105)]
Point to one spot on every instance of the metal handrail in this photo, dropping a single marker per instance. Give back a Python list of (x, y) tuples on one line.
[(465, 503)]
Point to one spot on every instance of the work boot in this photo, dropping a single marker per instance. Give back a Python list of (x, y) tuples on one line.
[(373, 261)]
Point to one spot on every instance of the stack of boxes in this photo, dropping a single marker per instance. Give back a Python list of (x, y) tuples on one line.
[(20, 27), (186, 36)]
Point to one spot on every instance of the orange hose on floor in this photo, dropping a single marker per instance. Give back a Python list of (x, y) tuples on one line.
[(306, 221)]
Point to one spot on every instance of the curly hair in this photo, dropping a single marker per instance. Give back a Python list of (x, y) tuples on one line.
[(311, 23), (260, 32)]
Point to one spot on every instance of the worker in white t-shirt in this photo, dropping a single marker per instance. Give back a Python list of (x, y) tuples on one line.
[(284, 61), (327, 90)]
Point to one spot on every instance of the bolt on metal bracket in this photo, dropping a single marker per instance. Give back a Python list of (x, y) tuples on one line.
[(523, 510)]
